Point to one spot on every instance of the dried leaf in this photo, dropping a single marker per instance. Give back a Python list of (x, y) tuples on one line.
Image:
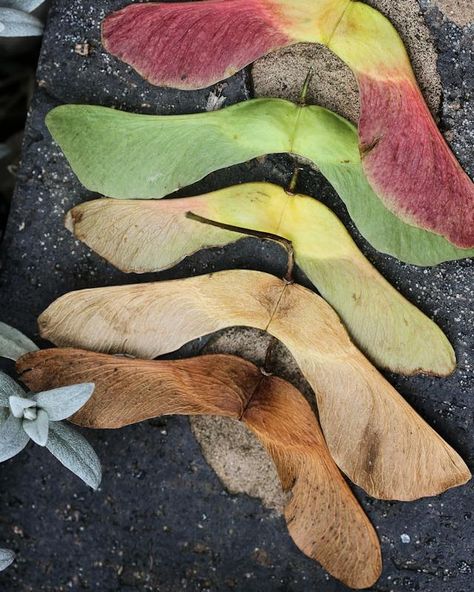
[(105, 148), (373, 434), (287, 428), (145, 236), (405, 157), (324, 518)]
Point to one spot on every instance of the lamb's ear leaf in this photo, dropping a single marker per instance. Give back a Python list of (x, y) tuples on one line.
[(4, 151), (105, 149), (131, 390), (146, 236), (38, 429), (342, 539), (16, 23), (424, 185), (19, 404), (128, 390), (13, 438), (13, 343), (23, 5), (62, 402), (75, 453), (9, 387), (148, 320), (6, 558)]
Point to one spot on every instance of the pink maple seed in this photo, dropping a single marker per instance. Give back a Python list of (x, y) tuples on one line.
[(190, 45), (409, 164), (227, 36)]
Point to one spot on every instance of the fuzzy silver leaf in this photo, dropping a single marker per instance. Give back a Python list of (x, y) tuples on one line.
[(15, 23), (6, 558), (4, 151), (8, 388), (13, 344), (13, 438), (75, 453), (63, 402), (23, 5), (19, 404), (38, 429)]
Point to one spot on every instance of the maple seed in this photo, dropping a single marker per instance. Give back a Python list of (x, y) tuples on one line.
[(323, 517), (211, 39), (148, 236), (105, 149), (387, 448)]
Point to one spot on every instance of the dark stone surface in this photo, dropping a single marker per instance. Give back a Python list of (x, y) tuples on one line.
[(161, 520)]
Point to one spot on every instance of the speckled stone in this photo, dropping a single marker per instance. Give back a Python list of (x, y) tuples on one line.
[(162, 520)]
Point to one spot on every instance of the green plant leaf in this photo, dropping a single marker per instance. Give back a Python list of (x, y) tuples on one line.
[(404, 156), (13, 343), (13, 438), (132, 156), (61, 403), (75, 453)]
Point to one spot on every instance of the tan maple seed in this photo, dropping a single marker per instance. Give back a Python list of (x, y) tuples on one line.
[(374, 436)]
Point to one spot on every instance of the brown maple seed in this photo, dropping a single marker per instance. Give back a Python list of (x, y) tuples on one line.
[(323, 516)]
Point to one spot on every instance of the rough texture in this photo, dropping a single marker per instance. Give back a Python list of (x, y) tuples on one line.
[(239, 460), (234, 453), (162, 520), (460, 12), (258, 477)]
